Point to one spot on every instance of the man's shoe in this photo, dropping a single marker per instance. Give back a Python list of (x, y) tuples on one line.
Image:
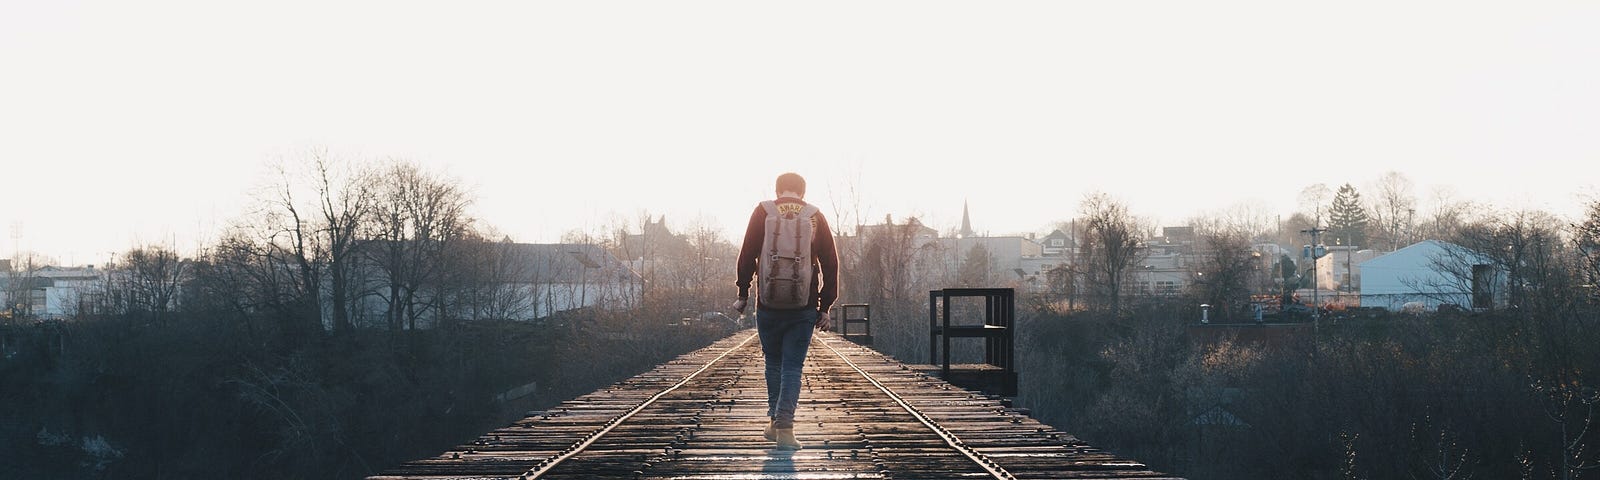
[(770, 434), (786, 439)]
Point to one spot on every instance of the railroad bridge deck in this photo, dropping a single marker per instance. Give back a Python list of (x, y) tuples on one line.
[(700, 416)]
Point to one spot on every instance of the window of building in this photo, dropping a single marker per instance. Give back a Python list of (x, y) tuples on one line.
[(1056, 242)]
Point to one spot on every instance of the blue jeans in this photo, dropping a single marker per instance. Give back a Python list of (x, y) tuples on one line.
[(785, 336)]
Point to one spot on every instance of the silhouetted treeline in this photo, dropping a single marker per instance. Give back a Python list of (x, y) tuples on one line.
[(1511, 391), (356, 318)]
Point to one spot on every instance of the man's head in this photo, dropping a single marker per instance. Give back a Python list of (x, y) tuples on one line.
[(791, 182)]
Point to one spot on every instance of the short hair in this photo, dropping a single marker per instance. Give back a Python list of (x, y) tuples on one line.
[(791, 182)]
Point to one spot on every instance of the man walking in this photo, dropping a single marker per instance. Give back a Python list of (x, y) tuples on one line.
[(789, 244)]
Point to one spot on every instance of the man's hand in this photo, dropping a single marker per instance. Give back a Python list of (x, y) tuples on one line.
[(738, 305), (824, 321)]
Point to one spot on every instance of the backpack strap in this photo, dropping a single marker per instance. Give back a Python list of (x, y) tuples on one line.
[(770, 247), (806, 215)]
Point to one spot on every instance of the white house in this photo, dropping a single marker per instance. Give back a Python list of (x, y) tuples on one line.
[(53, 292), (1342, 261), (532, 281), (562, 277), (1432, 273)]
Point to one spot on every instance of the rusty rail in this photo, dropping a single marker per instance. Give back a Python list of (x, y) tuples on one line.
[(612, 424), (978, 458)]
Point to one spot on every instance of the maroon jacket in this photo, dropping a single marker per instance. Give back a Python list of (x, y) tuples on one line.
[(822, 249)]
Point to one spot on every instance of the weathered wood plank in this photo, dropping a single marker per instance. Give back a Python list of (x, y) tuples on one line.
[(710, 428)]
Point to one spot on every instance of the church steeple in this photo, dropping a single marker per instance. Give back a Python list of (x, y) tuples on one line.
[(966, 221)]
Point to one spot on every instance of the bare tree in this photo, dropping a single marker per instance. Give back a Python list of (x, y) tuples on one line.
[(146, 282), (1448, 214), (253, 268), (1571, 405), (1288, 230), (234, 278), (283, 234), (617, 239), (1226, 266), (1462, 275), (646, 244), (1112, 245), (1248, 219), (21, 274), (1314, 201), (888, 261), (848, 214), (497, 284), (709, 266), (897, 262), (1064, 280), (311, 219), (687, 268), (1252, 219), (1523, 246), (1586, 239), (346, 198), (1393, 208), (419, 220)]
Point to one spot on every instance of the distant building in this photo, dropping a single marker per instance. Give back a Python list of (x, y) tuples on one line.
[(1057, 244), (1042, 265), (1176, 236), (1162, 274), (1166, 265), (564, 277), (1013, 257), (53, 292), (912, 230), (1430, 273), (1008, 251), (654, 241), (532, 281), (1343, 265)]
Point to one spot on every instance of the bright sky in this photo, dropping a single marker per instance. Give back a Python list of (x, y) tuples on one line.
[(127, 122)]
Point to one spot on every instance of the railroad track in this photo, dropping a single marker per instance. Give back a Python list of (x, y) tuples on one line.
[(700, 416)]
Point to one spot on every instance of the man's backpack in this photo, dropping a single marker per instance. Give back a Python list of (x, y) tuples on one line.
[(784, 279)]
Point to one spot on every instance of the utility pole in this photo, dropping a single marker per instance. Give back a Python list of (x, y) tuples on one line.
[(1316, 303), (1349, 275)]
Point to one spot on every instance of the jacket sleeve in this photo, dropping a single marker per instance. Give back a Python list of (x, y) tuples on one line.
[(750, 250), (828, 256)]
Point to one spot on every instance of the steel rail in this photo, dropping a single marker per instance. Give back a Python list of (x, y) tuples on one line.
[(550, 464), (950, 439)]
